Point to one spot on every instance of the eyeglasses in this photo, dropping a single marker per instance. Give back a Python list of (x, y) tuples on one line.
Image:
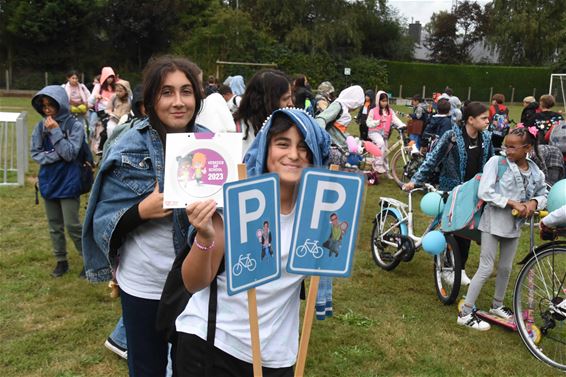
[(512, 148)]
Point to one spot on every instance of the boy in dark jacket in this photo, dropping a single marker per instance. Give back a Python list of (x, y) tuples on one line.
[(55, 145)]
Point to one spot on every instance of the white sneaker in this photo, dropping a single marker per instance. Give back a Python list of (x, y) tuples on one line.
[(448, 277), (471, 320), (502, 312), (118, 350), (465, 280)]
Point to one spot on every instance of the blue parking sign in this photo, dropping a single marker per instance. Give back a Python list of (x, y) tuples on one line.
[(326, 223), (251, 218)]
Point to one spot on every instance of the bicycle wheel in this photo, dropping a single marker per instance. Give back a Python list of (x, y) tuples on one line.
[(540, 300), (397, 167), (252, 265), (448, 272), (386, 227), (318, 252)]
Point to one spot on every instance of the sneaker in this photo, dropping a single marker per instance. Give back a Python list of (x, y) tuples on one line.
[(328, 309), (82, 275), (502, 312), (60, 269), (448, 277), (465, 280), (118, 350), (320, 311), (471, 320), (389, 176)]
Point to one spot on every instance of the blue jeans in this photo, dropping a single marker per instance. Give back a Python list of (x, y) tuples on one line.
[(416, 139), (119, 334), (147, 348)]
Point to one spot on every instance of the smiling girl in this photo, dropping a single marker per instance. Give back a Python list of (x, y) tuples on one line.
[(289, 142), (521, 188), (125, 215)]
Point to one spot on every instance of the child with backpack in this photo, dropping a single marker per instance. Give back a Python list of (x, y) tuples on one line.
[(56, 145), (458, 156), (498, 119), (439, 123), (380, 120), (419, 119), (522, 188)]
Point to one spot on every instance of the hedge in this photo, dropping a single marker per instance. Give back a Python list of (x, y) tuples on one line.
[(483, 80)]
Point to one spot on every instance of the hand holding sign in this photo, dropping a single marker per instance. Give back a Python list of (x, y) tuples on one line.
[(200, 216)]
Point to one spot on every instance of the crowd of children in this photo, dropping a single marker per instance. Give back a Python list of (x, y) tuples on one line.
[(128, 236)]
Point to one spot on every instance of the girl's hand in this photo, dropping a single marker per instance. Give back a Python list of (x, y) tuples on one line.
[(531, 207), (408, 186), (519, 207), (200, 216), (50, 123), (152, 206)]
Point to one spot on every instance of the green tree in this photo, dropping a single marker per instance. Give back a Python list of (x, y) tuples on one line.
[(453, 34), (442, 38), (527, 32), (138, 29)]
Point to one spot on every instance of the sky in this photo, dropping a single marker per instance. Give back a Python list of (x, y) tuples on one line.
[(422, 10)]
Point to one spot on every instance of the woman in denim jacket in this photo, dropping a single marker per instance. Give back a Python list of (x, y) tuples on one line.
[(461, 153), (125, 217)]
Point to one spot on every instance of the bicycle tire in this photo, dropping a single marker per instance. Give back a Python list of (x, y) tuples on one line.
[(301, 251), (383, 254), (318, 252), (548, 274), (397, 167), (447, 271)]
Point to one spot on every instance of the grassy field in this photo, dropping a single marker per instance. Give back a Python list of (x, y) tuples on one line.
[(386, 323)]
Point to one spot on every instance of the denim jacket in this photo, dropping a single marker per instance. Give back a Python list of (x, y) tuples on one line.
[(496, 218), (453, 168), (126, 176)]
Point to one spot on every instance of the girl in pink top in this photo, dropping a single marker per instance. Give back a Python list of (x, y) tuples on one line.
[(380, 120)]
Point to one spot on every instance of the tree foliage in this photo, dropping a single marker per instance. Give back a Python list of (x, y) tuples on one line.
[(527, 32), (452, 35)]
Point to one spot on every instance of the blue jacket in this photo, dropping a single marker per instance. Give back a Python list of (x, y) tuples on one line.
[(438, 125), (317, 139), (453, 165), (56, 146), (127, 175)]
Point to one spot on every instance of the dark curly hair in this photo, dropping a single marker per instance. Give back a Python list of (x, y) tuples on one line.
[(261, 98)]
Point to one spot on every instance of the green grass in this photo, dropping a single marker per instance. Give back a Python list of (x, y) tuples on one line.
[(385, 323)]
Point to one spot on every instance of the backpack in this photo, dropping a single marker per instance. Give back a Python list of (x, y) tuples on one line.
[(463, 208), (558, 136), (500, 122), (86, 164)]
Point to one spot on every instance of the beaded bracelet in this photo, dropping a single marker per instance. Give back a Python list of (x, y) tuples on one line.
[(204, 248)]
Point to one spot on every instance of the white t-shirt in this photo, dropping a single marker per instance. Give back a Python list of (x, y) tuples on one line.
[(146, 258), (278, 312)]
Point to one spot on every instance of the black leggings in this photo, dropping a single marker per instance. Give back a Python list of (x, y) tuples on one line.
[(191, 360), (464, 247)]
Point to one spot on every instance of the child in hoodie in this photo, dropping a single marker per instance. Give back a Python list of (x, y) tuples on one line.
[(290, 136), (120, 104), (380, 120), (55, 145)]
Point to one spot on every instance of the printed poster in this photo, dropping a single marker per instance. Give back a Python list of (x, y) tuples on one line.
[(197, 165)]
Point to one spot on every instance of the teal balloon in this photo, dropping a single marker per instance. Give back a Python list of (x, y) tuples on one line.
[(434, 242), (432, 204), (557, 196)]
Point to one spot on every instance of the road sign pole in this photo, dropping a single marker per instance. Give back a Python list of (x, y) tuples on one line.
[(307, 322), (252, 308)]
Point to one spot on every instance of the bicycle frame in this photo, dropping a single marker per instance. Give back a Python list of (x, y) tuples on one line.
[(406, 212)]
